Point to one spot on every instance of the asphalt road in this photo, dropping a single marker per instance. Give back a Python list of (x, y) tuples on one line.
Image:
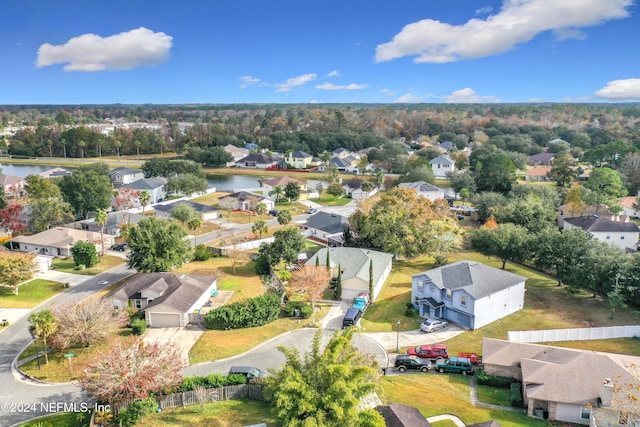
[(22, 399), (267, 356)]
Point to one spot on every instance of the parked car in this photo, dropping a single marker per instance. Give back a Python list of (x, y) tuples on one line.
[(361, 302), (430, 325), (431, 352), (351, 318), (274, 212), (119, 247), (457, 365), (248, 371), (473, 357), (312, 210), (404, 362)]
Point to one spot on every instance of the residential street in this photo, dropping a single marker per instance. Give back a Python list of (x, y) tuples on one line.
[(13, 339)]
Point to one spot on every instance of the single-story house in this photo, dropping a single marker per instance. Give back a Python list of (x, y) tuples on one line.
[(537, 173), (248, 201), (353, 188), (58, 241), (13, 185), (621, 234), (554, 383), (299, 159), (344, 164), (327, 227), (441, 166), (355, 265), (114, 221), (469, 293), (206, 212), (236, 152), (424, 189), (541, 159), (446, 145), (154, 186), (121, 176), (282, 181), (55, 173), (257, 160), (397, 415), (565, 211), (167, 299)]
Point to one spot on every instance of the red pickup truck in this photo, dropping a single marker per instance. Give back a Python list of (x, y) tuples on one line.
[(473, 357)]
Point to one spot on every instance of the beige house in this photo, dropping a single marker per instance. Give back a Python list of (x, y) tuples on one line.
[(355, 264), (300, 159), (167, 299), (58, 241), (282, 181), (13, 185), (559, 384)]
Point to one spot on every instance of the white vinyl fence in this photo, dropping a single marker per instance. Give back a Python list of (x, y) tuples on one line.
[(576, 334)]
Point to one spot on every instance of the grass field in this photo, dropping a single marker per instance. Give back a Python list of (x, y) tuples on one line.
[(30, 294), (326, 199), (231, 413), (66, 265), (63, 419)]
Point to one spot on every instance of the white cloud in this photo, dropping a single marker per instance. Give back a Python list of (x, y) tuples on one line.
[(468, 96), (334, 73), (123, 51), (620, 89), (248, 81), (294, 82), (409, 98), (484, 10), (517, 22), (388, 92), (331, 86)]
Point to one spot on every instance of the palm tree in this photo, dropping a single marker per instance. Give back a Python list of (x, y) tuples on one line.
[(194, 224), (260, 227), (50, 144), (144, 198), (43, 325), (64, 146), (278, 191), (261, 209), (118, 144), (101, 219), (82, 144), (138, 144)]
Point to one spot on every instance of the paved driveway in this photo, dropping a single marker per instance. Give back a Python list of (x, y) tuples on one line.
[(183, 338)]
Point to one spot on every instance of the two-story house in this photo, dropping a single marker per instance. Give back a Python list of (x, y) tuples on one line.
[(122, 176), (623, 235), (441, 166), (300, 159), (469, 293)]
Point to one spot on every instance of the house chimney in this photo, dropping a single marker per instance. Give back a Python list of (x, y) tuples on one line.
[(607, 393)]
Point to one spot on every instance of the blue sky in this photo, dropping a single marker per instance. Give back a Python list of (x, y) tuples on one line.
[(286, 51)]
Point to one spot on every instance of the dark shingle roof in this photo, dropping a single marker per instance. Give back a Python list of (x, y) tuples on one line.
[(125, 171), (180, 291), (243, 195), (397, 415), (198, 207), (146, 183), (327, 222), (477, 279), (542, 157), (595, 224), (300, 155), (341, 163), (259, 158)]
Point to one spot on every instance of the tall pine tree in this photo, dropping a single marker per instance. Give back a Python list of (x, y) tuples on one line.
[(371, 281), (338, 292)]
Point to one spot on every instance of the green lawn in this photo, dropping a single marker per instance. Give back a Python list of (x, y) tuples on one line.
[(231, 413), (66, 265), (30, 294), (326, 199), (63, 419), (494, 395)]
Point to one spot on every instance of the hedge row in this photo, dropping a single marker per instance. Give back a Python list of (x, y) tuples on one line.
[(211, 381), (245, 314), (515, 393), (483, 378)]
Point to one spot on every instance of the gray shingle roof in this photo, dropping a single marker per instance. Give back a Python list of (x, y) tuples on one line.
[(421, 186), (125, 171), (180, 291), (198, 207), (330, 223), (476, 279), (338, 162), (146, 183), (354, 261), (259, 158), (300, 155), (397, 415), (441, 160), (243, 195), (595, 224)]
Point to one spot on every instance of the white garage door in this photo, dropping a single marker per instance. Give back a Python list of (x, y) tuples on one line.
[(164, 320)]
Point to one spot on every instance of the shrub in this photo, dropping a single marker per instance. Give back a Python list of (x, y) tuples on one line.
[(133, 413), (440, 260), (409, 310), (245, 314), (211, 381), (138, 326), (492, 380), (515, 393), (84, 254), (202, 253), (305, 309)]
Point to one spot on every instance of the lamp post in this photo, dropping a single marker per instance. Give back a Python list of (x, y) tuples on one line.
[(398, 336)]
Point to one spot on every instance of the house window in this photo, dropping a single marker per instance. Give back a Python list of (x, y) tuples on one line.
[(585, 411), (449, 293), (432, 287), (608, 236), (622, 237), (421, 286), (463, 300), (138, 304)]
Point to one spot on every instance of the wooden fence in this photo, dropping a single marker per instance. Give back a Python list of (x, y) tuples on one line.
[(242, 391)]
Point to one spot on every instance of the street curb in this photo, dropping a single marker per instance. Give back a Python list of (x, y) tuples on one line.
[(384, 350)]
